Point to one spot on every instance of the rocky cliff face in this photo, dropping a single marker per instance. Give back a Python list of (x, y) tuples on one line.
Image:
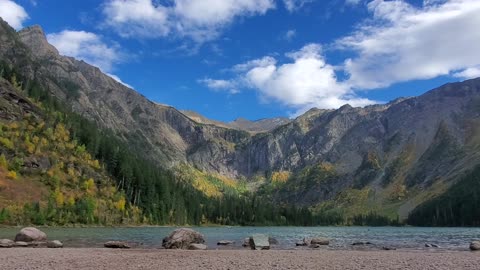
[(410, 143)]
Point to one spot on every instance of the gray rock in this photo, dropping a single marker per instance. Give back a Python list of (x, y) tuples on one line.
[(197, 247), (21, 244), (475, 245), (6, 243), (259, 242), (320, 241), (272, 241), (388, 248), (30, 234), (116, 244), (246, 242), (315, 246), (301, 244), (182, 239), (54, 244), (225, 243)]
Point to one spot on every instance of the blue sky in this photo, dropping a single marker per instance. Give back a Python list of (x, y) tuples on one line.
[(264, 58)]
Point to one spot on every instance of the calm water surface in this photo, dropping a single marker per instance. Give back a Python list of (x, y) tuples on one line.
[(342, 237)]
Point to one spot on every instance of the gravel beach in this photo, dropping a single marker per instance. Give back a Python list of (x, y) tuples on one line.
[(86, 258)]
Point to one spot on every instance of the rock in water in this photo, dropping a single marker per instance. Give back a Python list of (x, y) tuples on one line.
[(6, 243), (182, 239), (272, 241), (259, 242), (246, 242), (55, 244), (301, 244), (225, 243), (30, 234), (197, 247), (475, 245), (116, 244), (320, 241)]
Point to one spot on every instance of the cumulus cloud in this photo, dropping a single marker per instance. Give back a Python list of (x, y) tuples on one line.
[(305, 81), (86, 46), (352, 2), (402, 42), (14, 14), (399, 42), (199, 20), (220, 85)]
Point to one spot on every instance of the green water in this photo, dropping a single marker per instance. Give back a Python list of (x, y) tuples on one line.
[(341, 237)]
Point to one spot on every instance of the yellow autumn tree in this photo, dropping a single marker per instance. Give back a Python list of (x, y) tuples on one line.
[(280, 177), (3, 161)]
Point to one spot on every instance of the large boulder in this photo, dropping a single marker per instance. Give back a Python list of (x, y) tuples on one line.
[(30, 234), (182, 239), (259, 242), (116, 244), (6, 243), (320, 241), (475, 245)]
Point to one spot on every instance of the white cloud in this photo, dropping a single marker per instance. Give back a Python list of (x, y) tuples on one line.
[(402, 42), (290, 34), (199, 20), (469, 73), (220, 85), (305, 81), (15, 15), (293, 5), (86, 46)]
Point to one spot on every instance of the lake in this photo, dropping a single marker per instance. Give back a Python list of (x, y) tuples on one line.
[(341, 237)]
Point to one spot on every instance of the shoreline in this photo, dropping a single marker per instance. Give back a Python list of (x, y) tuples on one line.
[(100, 258)]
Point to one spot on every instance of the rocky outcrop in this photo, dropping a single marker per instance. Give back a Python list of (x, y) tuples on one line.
[(30, 234), (182, 239)]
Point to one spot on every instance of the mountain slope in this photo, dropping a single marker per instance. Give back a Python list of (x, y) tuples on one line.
[(387, 158)]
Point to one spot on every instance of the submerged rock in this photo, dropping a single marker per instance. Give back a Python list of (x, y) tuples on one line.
[(360, 243), (6, 243), (475, 245), (54, 244), (30, 234), (116, 244), (225, 243), (259, 242), (197, 247), (389, 248), (182, 239)]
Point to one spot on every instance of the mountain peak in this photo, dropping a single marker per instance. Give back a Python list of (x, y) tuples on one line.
[(34, 37)]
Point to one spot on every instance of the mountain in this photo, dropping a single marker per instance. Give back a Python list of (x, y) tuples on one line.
[(253, 127), (386, 158)]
